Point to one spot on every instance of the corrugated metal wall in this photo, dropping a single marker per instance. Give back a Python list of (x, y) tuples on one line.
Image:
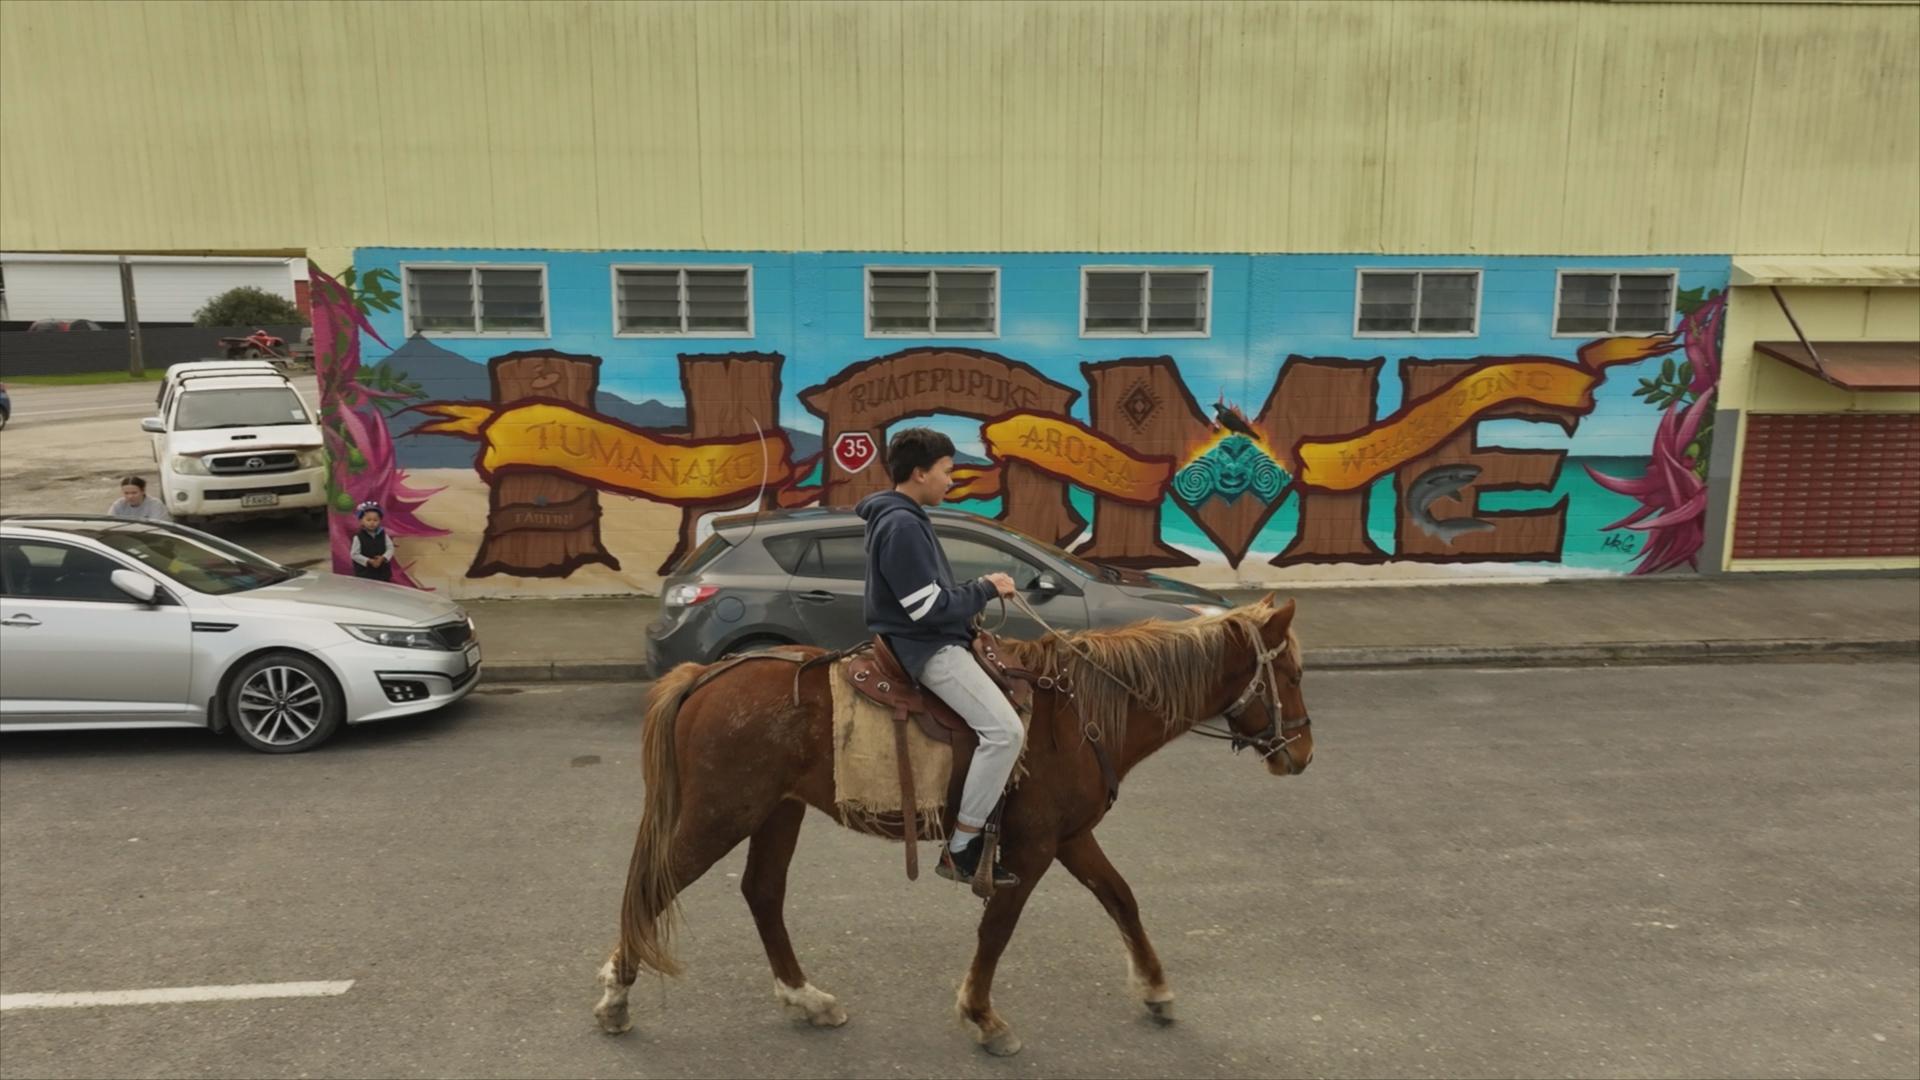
[(169, 292), (1407, 126)]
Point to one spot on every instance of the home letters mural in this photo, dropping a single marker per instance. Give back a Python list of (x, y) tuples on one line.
[(546, 454), (527, 464)]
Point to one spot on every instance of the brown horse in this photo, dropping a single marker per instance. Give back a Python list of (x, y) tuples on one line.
[(739, 759)]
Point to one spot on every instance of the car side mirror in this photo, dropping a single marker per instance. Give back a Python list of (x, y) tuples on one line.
[(153, 425), (1046, 583), (138, 586)]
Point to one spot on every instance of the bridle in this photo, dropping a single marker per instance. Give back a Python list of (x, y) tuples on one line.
[(1280, 733)]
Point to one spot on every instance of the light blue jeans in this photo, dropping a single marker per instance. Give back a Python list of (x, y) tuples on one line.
[(955, 677)]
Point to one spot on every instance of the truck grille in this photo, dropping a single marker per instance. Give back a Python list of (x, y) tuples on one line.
[(268, 461)]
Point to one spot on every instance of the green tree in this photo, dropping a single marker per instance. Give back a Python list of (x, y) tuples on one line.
[(248, 306)]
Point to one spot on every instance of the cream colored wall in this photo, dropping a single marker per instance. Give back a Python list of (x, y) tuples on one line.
[(993, 125), (1753, 383)]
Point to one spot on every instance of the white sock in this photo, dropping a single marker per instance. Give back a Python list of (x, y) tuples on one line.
[(959, 841)]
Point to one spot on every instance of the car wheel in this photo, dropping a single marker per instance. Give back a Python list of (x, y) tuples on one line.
[(753, 644), (283, 703)]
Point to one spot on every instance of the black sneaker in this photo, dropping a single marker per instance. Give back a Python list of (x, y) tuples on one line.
[(960, 866)]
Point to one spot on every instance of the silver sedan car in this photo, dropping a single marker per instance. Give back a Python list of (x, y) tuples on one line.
[(110, 623)]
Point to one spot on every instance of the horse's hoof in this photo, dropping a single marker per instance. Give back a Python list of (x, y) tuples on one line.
[(614, 1021), (810, 1003), (1001, 1044), (1161, 1011)]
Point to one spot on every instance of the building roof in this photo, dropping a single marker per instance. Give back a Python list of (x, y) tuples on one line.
[(1854, 271)]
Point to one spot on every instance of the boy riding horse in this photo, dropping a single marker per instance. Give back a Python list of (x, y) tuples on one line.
[(926, 619)]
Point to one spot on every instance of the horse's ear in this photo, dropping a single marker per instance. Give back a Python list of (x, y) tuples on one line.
[(1282, 616)]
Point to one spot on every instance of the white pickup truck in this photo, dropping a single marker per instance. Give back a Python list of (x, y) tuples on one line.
[(236, 442)]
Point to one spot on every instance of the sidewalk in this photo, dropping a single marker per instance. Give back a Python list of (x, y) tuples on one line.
[(1572, 622)]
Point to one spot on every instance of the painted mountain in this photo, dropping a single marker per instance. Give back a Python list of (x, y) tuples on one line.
[(443, 375)]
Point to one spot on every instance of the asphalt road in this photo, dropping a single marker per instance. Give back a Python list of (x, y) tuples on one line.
[(38, 406), (1698, 871), (67, 447)]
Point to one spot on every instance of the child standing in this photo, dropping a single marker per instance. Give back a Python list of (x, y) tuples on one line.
[(372, 548)]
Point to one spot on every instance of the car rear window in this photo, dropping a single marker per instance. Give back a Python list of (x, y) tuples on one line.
[(699, 557), (841, 556), (787, 550)]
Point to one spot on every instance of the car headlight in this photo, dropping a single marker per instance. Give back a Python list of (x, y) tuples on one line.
[(187, 465), (1205, 609), (395, 637), (315, 458)]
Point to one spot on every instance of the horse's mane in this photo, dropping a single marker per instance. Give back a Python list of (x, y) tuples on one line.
[(1173, 665)]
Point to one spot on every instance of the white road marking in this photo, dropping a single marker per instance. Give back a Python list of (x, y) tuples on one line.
[(173, 995)]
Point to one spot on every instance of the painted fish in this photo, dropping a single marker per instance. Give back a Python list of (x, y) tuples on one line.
[(1443, 482)]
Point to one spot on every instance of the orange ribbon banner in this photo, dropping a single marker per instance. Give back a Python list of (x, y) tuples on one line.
[(610, 455), (1066, 450), (1357, 460)]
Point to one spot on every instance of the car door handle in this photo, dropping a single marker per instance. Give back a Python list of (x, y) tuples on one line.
[(25, 621), (817, 596)]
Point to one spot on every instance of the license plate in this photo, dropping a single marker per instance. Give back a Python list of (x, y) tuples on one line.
[(473, 655), (264, 499)]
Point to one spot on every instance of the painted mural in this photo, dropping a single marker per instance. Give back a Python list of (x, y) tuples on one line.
[(354, 403), (588, 462)]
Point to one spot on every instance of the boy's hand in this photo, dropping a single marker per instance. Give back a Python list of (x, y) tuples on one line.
[(1001, 583)]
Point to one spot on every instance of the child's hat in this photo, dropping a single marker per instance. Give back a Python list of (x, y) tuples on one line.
[(369, 505)]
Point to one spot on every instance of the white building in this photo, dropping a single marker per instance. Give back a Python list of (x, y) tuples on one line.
[(167, 288)]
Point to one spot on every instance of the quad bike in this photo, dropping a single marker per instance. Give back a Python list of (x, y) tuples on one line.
[(261, 345)]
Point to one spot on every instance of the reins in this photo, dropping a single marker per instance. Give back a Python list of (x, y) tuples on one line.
[(1273, 740)]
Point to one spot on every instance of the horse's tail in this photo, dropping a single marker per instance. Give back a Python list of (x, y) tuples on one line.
[(650, 906)]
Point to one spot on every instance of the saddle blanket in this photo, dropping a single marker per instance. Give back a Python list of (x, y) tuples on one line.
[(866, 771)]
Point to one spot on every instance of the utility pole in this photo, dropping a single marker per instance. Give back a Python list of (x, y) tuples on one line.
[(136, 365)]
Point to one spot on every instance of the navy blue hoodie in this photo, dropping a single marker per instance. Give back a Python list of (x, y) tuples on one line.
[(911, 597)]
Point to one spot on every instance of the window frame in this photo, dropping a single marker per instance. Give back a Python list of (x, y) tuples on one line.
[(613, 279), (1613, 308), (933, 299), (1146, 302), (1419, 287), (473, 298)]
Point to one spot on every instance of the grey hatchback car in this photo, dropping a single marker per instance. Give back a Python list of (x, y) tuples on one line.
[(799, 577)]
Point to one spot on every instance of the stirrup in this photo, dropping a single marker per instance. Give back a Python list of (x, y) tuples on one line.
[(949, 867)]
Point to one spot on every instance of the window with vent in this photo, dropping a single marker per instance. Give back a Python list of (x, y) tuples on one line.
[(1418, 303), (942, 302), (1590, 303), (704, 301), (1127, 302), (502, 301)]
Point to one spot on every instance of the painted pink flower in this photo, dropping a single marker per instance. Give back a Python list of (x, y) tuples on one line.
[(364, 468), (1673, 492)]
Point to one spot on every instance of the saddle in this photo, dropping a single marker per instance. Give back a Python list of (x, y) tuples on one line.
[(879, 676)]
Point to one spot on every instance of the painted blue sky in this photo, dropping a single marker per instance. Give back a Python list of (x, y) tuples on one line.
[(809, 307)]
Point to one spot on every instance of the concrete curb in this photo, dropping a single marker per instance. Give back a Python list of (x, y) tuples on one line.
[(564, 671), (1387, 658), (1610, 652)]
